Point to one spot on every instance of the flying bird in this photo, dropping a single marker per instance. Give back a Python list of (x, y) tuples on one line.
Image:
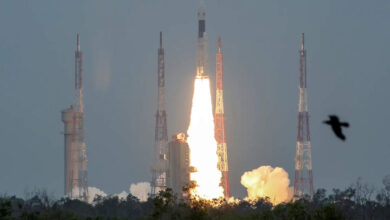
[(336, 125)]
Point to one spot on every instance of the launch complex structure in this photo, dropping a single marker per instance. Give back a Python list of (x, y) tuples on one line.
[(76, 180), (220, 135), (169, 157), (303, 185), (202, 70), (160, 163), (171, 164), (178, 148)]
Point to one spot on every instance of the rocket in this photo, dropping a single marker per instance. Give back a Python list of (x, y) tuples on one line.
[(201, 49), (201, 22)]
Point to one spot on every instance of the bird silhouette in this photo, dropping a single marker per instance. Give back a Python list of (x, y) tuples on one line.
[(336, 125)]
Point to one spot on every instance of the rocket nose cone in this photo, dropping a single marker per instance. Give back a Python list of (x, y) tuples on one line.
[(201, 13)]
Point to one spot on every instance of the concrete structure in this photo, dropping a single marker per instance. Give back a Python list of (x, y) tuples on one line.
[(220, 135), (71, 152), (303, 184), (76, 180), (179, 164), (159, 168)]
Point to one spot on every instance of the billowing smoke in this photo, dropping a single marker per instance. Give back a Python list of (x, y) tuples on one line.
[(140, 190), (267, 181), (93, 192), (122, 196)]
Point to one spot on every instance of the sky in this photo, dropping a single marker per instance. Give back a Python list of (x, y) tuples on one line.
[(347, 65)]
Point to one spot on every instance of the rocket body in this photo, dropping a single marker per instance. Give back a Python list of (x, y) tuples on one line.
[(201, 49)]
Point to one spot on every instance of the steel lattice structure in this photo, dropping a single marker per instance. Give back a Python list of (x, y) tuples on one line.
[(159, 169), (76, 178), (303, 185), (220, 136)]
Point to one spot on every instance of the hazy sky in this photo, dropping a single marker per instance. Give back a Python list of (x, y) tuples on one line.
[(348, 74)]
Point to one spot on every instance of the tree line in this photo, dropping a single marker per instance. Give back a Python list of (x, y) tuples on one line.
[(358, 201)]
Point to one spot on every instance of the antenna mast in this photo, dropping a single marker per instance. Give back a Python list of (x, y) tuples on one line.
[(159, 169), (303, 185)]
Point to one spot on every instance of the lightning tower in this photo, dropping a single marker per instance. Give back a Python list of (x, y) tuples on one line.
[(159, 169), (76, 179), (220, 124), (303, 185)]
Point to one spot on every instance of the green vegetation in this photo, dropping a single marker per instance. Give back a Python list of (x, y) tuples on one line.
[(355, 202)]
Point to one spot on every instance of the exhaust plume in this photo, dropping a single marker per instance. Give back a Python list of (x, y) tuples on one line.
[(202, 143), (267, 181)]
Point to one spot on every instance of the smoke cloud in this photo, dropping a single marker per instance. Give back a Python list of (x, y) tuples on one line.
[(267, 181), (93, 192), (140, 190), (122, 196)]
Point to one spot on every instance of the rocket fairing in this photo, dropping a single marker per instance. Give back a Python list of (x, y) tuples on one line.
[(201, 50), (201, 22)]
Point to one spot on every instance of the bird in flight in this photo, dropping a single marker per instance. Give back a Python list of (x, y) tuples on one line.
[(336, 125)]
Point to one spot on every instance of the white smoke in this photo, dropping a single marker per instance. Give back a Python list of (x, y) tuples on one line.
[(267, 181), (93, 192), (122, 196), (140, 190)]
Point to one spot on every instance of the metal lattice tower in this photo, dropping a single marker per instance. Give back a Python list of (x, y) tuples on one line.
[(220, 124), (303, 185), (159, 169), (79, 122), (76, 178)]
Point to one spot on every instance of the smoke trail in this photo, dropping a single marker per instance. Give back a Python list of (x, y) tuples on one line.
[(140, 190), (267, 181), (203, 147)]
